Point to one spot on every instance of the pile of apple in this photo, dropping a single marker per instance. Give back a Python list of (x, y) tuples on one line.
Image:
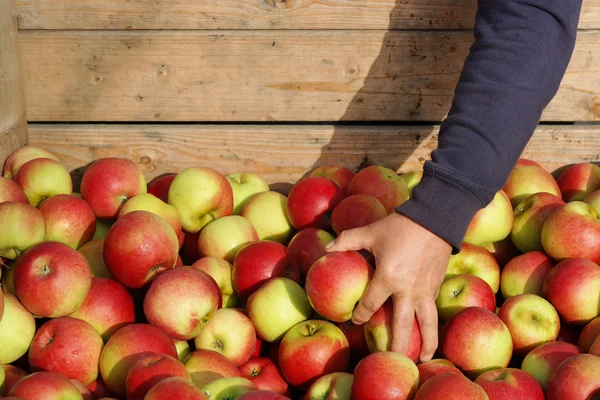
[(205, 286)]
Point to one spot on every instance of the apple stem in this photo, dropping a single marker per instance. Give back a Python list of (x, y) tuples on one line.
[(311, 329)]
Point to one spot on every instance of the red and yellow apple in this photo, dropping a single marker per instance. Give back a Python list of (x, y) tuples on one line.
[(575, 378), (382, 183), (356, 211), (340, 175), (263, 372), (475, 260), (228, 388), (220, 271), (525, 274), (588, 334), (461, 291), (41, 178), (542, 361), (175, 387), (267, 212), (450, 386), (491, 223), (526, 179), (333, 386), (579, 180), (433, 367), (311, 201), (11, 191), (22, 227), (148, 370), (69, 220), (385, 375), (205, 366), (45, 385), (23, 155), (308, 245), (244, 186), (12, 375), (225, 236)]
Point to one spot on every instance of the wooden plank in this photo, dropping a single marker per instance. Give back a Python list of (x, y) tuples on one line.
[(266, 76), (13, 126), (259, 14), (282, 153)]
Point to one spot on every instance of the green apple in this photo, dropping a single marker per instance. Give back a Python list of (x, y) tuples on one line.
[(475, 260), (93, 252), (17, 328), (492, 223), (245, 185), (102, 228), (336, 385), (219, 270), (23, 226), (267, 212), (412, 179), (228, 388), (183, 349), (43, 177), (225, 236), (2, 378)]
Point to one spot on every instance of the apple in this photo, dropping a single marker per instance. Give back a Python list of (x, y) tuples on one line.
[(22, 226), (23, 155), (575, 378), (108, 183), (311, 201), (525, 180), (412, 179), (385, 375), (180, 301), (475, 260), (149, 369), (338, 174), (159, 187), (205, 366), (175, 387), (98, 389), (17, 327), (525, 274), (308, 245), (83, 391), (230, 332), (121, 350), (356, 338), (491, 223), (183, 349), (572, 231), (260, 261), (45, 385), (333, 386), (151, 203), (476, 340), (69, 220), (593, 199), (356, 211), (7, 280), (503, 251), (42, 178), (189, 251), (267, 212), (588, 334), (244, 186), (102, 228), (436, 366), (139, 247), (108, 307), (382, 183), (225, 236), (277, 306), (579, 180), (461, 291), (10, 191), (42, 275), (263, 372), (378, 332), (12, 375), (262, 395), (93, 251), (220, 271), (530, 216), (200, 195), (542, 361), (228, 388), (573, 288), (450, 386)]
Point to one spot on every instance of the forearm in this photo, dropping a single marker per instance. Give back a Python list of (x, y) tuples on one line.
[(521, 51)]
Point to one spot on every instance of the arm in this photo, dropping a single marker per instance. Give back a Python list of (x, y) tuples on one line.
[(521, 51)]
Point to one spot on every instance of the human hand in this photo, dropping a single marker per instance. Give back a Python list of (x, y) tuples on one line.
[(410, 266)]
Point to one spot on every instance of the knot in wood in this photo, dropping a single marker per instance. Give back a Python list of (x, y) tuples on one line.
[(596, 106)]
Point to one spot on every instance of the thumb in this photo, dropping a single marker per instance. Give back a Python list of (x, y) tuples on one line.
[(352, 239)]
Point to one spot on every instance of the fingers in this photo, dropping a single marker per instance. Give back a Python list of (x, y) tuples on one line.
[(352, 239), (403, 322), (375, 295), (428, 324)]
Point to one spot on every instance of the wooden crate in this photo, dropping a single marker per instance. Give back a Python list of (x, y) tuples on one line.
[(275, 87)]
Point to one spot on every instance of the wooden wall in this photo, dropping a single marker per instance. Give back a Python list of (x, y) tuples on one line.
[(253, 85)]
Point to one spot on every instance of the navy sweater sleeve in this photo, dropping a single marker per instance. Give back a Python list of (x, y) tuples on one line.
[(513, 70)]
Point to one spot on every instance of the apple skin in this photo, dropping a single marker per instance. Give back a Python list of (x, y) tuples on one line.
[(385, 375), (308, 245), (230, 332), (244, 186), (263, 372), (83, 391), (69, 220), (257, 262), (575, 378), (17, 327), (159, 187), (220, 270), (108, 307), (93, 251), (595, 347), (356, 211), (228, 388), (356, 338), (121, 350), (333, 386), (23, 155), (311, 201), (175, 387), (277, 306), (148, 370), (510, 384), (503, 251), (573, 288), (189, 251), (108, 183), (488, 344), (44, 271), (42, 178), (12, 375), (588, 334), (475, 260), (492, 223), (382, 183), (267, 212), (338, 174), (462, 291), (579, 180), (139, 247), (98, 389), (200, 195), (542, 361), (102, 228), (529, 218), (11, 191), (46, 385), (183, 349), (205, 366), (378, 332), (310, 350), (525, 274), (525, 180), (225, 236), (450, 386), (412, 179), (179, 302), (22, 226), (262, 395), (436, 366)]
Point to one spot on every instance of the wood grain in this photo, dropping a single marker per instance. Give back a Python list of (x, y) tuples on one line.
[(259, 14), (13, 126), (282, 154), (267, 76)]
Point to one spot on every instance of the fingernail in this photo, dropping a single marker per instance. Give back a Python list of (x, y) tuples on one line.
[(330, 244)]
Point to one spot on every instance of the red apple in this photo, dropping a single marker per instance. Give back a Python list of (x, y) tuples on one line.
[(525, 180), (356, 339), (23, 155), (205, 366), (462, 291), (334, 386), (434, 367), (108, 307), (257, 262), (311, 201), (525, 274), (42, 178), (263, 372), (69, 220), (45, 385), (189, 251), (109, 182), (179, 301), (12, 375), (17, 327), (542, 361), (503, 251), (85, 393), (262, 395), (450, 386), (225, 236), (159, 187), (310, 350), (175, 388), (475, 260), (22, 227), (530, 216), (510, 384), (10, 191), (308, 245), (573, 288), (51, 279), (385, 376), (149, 369), (339, 174), (588, 334), (491, 223), (579, 180), (382, 183), (139, 246), (98, 389), (220, 270), (576, 378), (356, 211)]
